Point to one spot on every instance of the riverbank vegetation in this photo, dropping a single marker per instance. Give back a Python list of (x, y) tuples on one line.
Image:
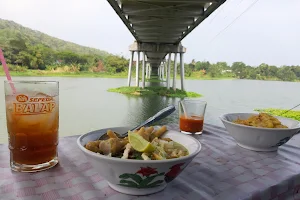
[(293, 114), (161, 91), (32, 53)]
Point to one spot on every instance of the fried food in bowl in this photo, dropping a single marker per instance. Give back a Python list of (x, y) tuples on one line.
[(260, 132), (262, 120), (143, 170)]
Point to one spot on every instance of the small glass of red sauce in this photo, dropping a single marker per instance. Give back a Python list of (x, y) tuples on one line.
[(191, 116)]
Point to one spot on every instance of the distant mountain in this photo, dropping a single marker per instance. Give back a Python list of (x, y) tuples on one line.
[(10, 30)]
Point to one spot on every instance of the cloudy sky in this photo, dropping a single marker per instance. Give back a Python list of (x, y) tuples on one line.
[(269, 31)]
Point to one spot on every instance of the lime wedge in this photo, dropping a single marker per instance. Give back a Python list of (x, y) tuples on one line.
[(139, 143)]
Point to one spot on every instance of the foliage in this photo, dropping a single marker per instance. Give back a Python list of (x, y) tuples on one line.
[(162, 91), (293, 114), (26, 49), (34, 50), (10, 30), (207, 70)]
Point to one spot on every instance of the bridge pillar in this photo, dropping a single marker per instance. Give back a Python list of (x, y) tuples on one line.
[(166, 69), (158, 71), (130, 67), (169, 71), (175, 71), (182, 71), (146, 70), (137, 77), (163, 70), (143, 70)]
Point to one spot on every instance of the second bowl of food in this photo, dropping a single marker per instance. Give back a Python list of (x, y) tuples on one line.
[(260, 131), (142, 163)]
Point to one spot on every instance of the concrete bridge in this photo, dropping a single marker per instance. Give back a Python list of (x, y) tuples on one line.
[(158, 27)]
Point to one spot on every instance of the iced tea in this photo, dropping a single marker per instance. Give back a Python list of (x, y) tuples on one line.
[(32, 124)]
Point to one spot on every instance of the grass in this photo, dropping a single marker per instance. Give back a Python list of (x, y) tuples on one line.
[(155, 80), (293, 114), (87, 74), (207, 77), (161, 91), (65, 74)]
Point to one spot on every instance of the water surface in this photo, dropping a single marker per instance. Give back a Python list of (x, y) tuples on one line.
[(85, 104)]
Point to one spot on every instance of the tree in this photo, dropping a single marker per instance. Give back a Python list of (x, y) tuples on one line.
[(223, 65), (239, 69), (296, 70), (115, 64), (202, 65), (23, 58), (215, 70), (285, 73), (188, 69)]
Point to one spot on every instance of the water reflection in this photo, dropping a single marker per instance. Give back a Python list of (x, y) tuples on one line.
[(141, 108)]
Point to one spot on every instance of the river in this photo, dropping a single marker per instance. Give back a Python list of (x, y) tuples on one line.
[(85, 104)]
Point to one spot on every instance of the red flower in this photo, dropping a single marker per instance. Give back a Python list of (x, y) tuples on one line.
[(175, 170), (147, 171)]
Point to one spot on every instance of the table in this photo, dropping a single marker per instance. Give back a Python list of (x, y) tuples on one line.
[(222, 170)]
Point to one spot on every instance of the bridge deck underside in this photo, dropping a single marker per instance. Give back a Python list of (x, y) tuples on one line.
[(162, 21)]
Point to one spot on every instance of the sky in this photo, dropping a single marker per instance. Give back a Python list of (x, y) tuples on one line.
[(251, 31)]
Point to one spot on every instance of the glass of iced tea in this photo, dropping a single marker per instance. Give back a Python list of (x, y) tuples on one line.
[(191, 116), (32, 116)]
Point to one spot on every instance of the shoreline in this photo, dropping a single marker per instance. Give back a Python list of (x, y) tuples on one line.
[(33, 73), (160, 91), (100, 75)]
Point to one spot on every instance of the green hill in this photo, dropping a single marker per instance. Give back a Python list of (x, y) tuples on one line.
[(10, 30)]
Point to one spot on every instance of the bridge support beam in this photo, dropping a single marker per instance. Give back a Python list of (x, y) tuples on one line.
[(182, 71), (130, 68), (157, 48), (175, 72), (143, 70), (155, 55), (162, 71), (147, 70), (166, 69), (159, 75), (169, 71), (137, 77)]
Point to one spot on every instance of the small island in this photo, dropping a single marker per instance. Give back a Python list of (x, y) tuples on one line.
[(161, 91)]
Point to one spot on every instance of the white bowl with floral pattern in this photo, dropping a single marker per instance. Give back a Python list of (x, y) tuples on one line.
[(139, 177)]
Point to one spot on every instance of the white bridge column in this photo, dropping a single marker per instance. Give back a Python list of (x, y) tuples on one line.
[(162, 71), (182, 71), (166, 69), (143, 70), (175, 71), (169, 71), (137, 81), (158, 71), (130, 67), (147, 68)]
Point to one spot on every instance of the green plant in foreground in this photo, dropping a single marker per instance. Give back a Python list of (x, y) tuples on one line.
[(162, 91), (293, 114)]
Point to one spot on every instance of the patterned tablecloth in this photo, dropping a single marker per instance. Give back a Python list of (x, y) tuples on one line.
[(222, 170)]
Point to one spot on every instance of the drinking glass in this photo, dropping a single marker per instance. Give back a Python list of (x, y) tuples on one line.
[(191, 115), (32, 116)]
